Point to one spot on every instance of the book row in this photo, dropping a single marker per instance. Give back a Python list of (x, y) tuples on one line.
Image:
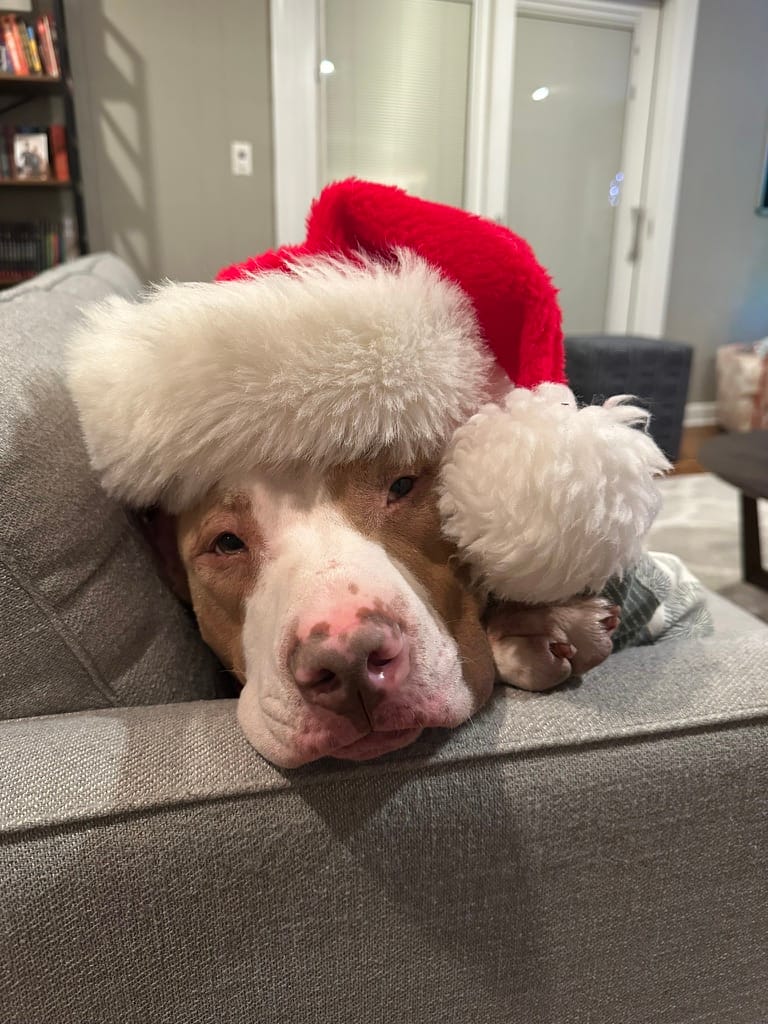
[(26, 248), (27, 48)]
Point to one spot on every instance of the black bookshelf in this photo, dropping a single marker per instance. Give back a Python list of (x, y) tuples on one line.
[(17, 90)]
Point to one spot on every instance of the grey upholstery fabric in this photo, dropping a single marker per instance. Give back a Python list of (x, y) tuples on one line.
[(731, 620), (597, 854), (84, 620)]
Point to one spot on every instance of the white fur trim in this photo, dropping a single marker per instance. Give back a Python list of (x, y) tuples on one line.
[(546, 500), (330, 362)]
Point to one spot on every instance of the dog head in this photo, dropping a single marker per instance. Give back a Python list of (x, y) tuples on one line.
[(338, 604)]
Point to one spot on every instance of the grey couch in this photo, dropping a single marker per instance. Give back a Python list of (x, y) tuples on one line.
[(596, 854)]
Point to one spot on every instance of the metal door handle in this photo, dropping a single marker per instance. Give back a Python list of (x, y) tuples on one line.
[(638, 216)]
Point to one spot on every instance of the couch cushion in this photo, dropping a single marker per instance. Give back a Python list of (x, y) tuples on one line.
[(84, 620)]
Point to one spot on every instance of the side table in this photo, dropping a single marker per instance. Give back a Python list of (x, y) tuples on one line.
[(742, 460)]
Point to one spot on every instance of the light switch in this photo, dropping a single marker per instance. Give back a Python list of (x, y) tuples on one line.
[(242, 158)]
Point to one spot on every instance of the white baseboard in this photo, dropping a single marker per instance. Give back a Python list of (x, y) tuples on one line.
[(700, 414)]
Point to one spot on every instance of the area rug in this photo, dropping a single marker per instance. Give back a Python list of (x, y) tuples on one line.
[(699, 522)]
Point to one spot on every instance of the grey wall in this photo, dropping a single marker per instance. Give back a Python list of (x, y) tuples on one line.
[(161, 89), (719, 283)]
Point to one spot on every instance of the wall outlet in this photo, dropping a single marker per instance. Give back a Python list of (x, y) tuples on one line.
[(242, 157)]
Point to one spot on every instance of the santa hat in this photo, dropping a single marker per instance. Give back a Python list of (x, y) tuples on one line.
[(401, 326)]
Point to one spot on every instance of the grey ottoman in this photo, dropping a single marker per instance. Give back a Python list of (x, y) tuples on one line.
[(655, 370)]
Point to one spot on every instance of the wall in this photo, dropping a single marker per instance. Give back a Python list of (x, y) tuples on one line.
[(161, 89), (719, 281)]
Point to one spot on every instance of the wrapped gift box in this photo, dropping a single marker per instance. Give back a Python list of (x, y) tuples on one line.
[(742, 386)]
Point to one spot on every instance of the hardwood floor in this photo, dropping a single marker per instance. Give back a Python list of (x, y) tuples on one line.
[(689, 447)]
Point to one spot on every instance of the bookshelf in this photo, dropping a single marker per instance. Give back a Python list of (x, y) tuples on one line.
[(44, 100), (39, 85)]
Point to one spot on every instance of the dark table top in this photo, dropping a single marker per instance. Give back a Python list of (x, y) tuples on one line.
[(741, 459)]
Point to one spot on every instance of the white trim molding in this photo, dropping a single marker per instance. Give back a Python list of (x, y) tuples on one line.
[(700, 414), (294, 34), (490, 107), (669, 118)]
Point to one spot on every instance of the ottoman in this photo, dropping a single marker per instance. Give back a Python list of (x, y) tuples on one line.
[(655, 370)]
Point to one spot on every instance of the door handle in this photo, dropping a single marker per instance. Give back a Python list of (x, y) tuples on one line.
[(638, 216)]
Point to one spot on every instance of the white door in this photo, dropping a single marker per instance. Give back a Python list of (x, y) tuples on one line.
[(581, 99), (532, 112)]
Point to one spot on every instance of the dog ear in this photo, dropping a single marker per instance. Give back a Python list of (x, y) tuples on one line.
[(159, 530)]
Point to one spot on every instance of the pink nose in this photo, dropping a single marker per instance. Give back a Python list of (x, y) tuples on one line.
[(362, 666)]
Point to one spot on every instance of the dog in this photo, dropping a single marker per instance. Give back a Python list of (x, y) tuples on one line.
[(375, 488), (339, 600)]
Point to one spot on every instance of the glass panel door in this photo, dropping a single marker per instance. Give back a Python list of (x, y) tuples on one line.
[(566, 177), (394, 80)]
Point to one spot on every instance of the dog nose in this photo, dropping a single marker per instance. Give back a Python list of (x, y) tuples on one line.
[(366, 664)]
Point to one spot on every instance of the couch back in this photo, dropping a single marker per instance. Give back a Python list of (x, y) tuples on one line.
[(84, 620)]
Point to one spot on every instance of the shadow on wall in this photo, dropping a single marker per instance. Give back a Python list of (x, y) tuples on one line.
[(122, 132)]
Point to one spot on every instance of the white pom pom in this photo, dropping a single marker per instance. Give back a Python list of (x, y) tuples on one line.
[(545, 500)]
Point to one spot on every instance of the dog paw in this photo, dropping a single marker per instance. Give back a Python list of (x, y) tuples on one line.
[(532, 662), (540, 648)]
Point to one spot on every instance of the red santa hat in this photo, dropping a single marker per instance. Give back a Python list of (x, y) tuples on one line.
[(401, 326)]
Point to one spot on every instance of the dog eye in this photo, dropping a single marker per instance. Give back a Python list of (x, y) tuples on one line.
[(227, 544), (402, 486)]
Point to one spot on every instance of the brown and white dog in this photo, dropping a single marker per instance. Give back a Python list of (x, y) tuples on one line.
[(372, 522), (338, 601)]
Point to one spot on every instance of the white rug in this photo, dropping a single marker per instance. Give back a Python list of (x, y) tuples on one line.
[(699, 522)]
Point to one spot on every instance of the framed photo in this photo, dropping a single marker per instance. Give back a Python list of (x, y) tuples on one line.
[(762, 198), (30, 156)]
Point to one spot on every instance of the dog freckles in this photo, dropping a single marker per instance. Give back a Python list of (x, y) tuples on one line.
[(320, 630)]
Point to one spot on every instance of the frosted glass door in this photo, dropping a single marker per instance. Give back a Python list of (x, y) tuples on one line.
[(566, 175), (394, 83)]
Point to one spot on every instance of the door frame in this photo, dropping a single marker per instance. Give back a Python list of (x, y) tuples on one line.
[(295, 42), (642, 20)]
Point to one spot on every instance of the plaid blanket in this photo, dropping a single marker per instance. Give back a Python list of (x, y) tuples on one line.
[(660, 600)]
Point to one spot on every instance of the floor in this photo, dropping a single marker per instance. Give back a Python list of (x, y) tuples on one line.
[(689, 447)]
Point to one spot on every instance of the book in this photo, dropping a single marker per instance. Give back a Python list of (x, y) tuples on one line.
[(45, 29), (43, 46), (22, 44), (23, 37), (15, 53), (57, 135), (6, 168), (7, 132), (34, 52), (54, 36)]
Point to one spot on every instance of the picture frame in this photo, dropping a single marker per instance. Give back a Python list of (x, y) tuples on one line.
[(30, 156), (762, 199)]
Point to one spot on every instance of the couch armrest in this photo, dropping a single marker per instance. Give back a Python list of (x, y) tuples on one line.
[(593, 853)]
